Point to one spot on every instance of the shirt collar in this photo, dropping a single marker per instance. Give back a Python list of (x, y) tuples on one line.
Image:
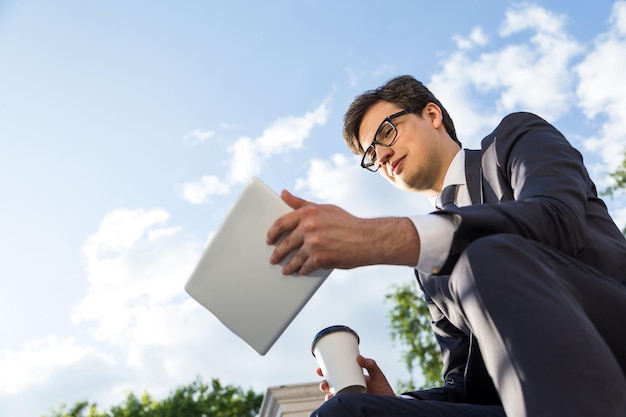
[(454, 175)]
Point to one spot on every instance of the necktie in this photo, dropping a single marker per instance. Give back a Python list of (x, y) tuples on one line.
[(447, 197)]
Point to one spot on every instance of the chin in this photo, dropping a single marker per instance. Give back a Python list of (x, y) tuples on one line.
[(406, 187), (398, 183)]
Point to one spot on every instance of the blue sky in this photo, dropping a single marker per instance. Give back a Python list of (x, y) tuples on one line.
[(127, 130)]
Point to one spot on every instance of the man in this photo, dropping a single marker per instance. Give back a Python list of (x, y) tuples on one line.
[(523, 269)]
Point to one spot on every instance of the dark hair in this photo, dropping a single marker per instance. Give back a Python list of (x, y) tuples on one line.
[(404, 91)]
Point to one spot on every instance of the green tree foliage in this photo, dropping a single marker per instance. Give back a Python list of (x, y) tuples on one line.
[(410, 325), (619, 185), (195, 400), (619, 176)]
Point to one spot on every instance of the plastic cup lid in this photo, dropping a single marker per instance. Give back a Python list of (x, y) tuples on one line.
[(332, 329)]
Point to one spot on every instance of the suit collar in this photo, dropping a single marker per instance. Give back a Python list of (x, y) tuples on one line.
[(473, 175)]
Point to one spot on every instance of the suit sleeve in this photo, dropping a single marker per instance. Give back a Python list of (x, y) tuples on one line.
[(542, 184)]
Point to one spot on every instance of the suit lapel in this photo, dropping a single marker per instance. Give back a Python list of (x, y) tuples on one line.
[(473, 175), (479, 188)]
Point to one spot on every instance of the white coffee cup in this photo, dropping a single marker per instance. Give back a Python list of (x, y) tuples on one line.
[(336, 349)]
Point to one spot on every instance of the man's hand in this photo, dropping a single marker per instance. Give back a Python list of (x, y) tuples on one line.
[(375, 379), (324, 236)]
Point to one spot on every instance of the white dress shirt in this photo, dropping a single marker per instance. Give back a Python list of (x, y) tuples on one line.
[(435, 232)]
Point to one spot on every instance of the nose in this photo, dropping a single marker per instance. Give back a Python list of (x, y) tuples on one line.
[(383, 154)]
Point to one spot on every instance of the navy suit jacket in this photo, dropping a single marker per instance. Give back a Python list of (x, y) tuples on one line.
[(526, 180)]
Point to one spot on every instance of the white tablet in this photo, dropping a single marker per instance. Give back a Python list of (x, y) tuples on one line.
[(235, 281)]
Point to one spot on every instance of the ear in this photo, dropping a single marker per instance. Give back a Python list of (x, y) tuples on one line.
[(434, 114)]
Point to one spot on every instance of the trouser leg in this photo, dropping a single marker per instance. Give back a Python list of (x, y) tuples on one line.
[(368, 405), (550, 329)]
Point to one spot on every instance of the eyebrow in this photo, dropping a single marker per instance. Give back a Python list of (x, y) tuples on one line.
[(374, 136)]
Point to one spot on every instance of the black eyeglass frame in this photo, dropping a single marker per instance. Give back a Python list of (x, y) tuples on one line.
[(387, 119)]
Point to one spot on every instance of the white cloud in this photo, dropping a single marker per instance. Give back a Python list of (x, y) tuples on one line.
[(531, 16), (143, 331), (382, 70), (245, 161), (39, 359), (321, 181), (520, 76), (248, 155), (618, 18), (198, 192), (353, 77), (197, 137), (477, 37), (454, 86), (54, 370), (290, 133), (120, 230), (135, 263), (160, 337), (340, 180), (602, 90)]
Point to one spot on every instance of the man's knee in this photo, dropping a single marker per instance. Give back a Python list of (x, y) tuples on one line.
[(490, 256), (496, 247), (487, 264)]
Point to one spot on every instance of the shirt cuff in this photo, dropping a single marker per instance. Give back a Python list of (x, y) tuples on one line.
[(435, 233)]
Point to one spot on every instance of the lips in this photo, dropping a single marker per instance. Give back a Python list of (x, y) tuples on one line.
[(396, 165)]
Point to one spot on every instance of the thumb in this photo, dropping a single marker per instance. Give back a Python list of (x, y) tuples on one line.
[(369, 364), (293, 201)]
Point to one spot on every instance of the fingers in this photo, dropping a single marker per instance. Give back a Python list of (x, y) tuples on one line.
[(369, 364), (299, 264), (284, 224), (287, 238), (324, 387), (376, 381), (306, 238), (292, 242), (293, 201), (288, 222), (373, 370)]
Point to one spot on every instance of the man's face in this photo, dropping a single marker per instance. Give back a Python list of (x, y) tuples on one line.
[(417, 161)]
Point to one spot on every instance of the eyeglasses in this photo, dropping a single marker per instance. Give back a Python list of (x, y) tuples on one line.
[(386, 135)]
